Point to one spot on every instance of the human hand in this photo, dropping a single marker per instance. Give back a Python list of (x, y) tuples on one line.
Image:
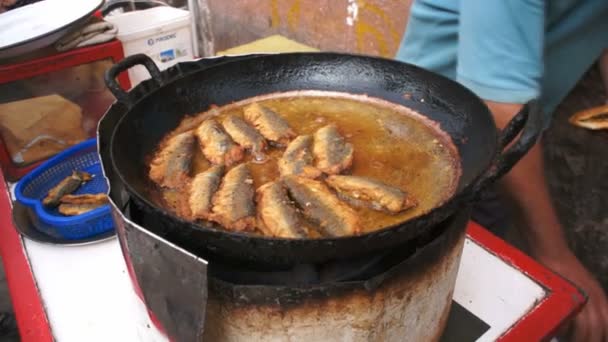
[(591, 324), (7, 3)]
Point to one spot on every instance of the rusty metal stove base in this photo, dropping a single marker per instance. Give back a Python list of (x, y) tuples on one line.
[(410, 302)]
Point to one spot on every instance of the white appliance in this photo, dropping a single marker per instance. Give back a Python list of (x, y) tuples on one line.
[(164, 33)]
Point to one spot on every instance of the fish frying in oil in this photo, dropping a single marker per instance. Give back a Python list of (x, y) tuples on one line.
[(171, 166), (270, 124), (285, 167), (370, 193), (245, 135), (65, 187), (233, 203), (202, 188), (332, 153), (298, 159), (217, 146), (322, 207), (277, 214), (72, 205)]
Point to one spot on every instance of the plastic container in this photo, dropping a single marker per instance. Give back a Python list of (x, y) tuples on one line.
[(32, 188), (163, 33)]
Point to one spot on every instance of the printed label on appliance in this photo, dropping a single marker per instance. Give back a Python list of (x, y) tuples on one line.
[(155, 40), (167, 55)]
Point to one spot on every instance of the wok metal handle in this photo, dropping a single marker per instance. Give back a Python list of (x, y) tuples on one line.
[(512, 129), (528, 122), (124, 65)]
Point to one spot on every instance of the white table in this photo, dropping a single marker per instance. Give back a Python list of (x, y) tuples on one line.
[(86, 293)]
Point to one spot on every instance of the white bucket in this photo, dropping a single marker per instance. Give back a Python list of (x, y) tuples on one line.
[(163, 33)]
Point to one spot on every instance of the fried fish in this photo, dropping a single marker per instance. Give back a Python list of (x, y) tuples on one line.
[(85, 199), (277, 214), (202, 188), (245, 135), (65, 187), (70, 209), (332, 216), (371, 193), (332, 153), (72, 205), (233, 203), (171, 166), (297, 158), (217, 146), (270, 124)]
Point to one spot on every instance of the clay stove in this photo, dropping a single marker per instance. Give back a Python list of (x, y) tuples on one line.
[(403, 294)]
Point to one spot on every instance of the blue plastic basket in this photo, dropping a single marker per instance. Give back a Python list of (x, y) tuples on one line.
[(32, 188)]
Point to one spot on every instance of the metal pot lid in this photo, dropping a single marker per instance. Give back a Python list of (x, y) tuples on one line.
[(30, 27)]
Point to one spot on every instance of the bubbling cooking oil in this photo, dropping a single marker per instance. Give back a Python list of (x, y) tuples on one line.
[(391, 143)]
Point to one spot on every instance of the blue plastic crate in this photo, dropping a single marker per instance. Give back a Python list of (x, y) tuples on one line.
[(32, 188)]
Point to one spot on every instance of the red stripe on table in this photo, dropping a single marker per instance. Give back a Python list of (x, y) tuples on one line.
[(27, 305), (562, 302)]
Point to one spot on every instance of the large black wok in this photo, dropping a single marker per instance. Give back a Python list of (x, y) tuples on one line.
[(157, 107)]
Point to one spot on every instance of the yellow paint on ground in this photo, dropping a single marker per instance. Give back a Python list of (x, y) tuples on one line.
[(272, 44)]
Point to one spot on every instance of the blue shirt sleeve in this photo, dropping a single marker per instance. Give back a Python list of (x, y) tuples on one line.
[(500, 50)]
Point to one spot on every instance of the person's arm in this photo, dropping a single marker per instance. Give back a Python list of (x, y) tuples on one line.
[(526, 184), (500, 58)]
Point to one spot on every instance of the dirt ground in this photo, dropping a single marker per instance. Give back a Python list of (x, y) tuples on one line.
[(577, 171)]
